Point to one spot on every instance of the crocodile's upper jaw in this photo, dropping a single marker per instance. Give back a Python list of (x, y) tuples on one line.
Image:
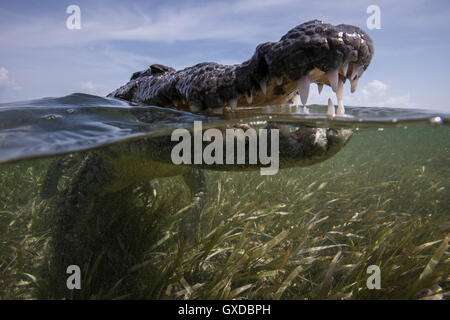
[(282, 90), (276, 73)]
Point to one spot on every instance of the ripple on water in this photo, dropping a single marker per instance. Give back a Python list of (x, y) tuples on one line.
[(80, 121)]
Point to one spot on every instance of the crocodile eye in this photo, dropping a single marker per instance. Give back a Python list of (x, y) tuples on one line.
[(136, 75), (158, 68)]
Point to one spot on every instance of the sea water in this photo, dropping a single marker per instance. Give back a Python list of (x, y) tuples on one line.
[(371, 222)]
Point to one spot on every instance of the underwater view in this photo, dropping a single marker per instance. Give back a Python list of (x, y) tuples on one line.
[(310, 231)]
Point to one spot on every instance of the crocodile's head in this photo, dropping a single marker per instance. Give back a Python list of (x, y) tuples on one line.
[(313, 52)]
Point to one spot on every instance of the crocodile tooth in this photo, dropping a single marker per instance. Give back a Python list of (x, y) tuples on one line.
[(361, 71), (344, 68), (195, 108), (305, 110), (340, 89), (303, 88), (279, 81), (339, 93), (356, 71), (263, 85), (340, 109), (333, 78), (320, 87), (330, 107), (233, 103), (296, 100), (249, 97), (354, 85)]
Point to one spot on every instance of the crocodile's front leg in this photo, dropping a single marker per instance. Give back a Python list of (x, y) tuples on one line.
[(69, 218), (55, 171), (74, 209)]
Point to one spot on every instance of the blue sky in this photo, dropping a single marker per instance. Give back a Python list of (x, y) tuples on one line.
[(41, 57)]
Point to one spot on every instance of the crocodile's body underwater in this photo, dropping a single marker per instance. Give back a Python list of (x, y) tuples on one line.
[(277, 72)]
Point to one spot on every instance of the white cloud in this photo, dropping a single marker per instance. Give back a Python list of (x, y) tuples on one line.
[(3, 76), (377, 94), (90, 87), (5, 81), (375, 86), (373, 94)]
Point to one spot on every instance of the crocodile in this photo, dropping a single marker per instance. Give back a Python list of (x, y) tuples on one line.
[(313, 52), (277, 73)]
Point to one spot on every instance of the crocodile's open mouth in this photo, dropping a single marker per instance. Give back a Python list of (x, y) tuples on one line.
[(313, 52)]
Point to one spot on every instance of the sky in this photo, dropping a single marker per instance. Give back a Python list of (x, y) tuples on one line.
[(41, 57)]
